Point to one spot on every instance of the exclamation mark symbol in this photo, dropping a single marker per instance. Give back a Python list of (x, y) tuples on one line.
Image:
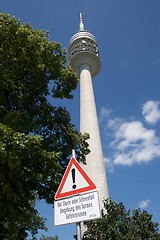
[(73, 178)]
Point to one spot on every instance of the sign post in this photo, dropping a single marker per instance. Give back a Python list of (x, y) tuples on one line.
[(76, 199), (79, 232)]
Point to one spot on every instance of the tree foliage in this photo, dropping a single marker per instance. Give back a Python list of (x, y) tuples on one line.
[(36, 137), (121, 224)]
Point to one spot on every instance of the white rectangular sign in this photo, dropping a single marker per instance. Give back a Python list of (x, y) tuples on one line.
[(78, 208)]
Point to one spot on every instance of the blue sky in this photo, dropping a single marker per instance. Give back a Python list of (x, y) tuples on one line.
[(127, 90)]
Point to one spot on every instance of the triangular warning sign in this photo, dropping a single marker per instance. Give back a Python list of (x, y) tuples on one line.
[(74, 181)]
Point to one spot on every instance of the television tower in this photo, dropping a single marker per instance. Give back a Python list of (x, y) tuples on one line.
[(85, 60)]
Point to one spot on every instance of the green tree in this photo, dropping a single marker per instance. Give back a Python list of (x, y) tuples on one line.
[(36, 137), (121, 224)]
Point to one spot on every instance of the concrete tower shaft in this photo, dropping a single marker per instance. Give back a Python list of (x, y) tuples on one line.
[(85, 60)]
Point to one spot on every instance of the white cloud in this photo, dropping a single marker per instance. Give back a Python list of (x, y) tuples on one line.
[(109, 165), (151, 111), (114, 123), (130, 132), (130, 141), (143, 204), (134, 144), (104, 113)]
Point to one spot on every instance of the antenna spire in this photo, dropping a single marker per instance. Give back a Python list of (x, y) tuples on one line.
[(81, 24)]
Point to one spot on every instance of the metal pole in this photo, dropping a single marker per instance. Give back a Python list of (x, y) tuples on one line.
[(79, 231), (78, 224), (73, 153)]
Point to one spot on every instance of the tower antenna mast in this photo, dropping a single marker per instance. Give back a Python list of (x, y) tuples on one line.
[(81, 24)]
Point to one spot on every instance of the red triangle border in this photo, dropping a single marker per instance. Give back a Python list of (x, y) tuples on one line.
[(91, 186)]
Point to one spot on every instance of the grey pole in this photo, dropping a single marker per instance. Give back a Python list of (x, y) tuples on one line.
[(79, 231), (78, 225)]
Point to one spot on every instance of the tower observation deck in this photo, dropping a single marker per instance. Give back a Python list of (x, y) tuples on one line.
[(85, 60), (84, 49)]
